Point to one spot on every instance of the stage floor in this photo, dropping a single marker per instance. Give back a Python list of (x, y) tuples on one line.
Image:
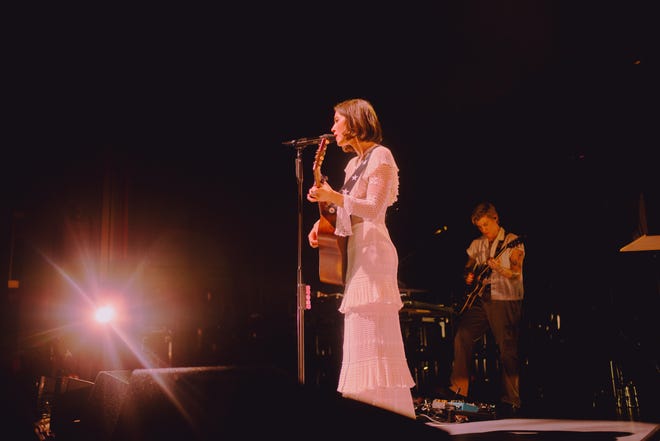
[(551, 429)]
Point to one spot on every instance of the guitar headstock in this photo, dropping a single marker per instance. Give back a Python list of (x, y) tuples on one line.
[(318, 160)]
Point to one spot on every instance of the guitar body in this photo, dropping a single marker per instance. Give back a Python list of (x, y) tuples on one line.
[(481, 275), (332, 248), (476, 288)]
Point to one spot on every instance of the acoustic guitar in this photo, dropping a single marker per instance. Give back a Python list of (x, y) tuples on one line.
[(332, 248), (481, 273)]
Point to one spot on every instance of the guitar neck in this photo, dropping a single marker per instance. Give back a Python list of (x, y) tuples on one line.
[(318, 160), (485, 269)]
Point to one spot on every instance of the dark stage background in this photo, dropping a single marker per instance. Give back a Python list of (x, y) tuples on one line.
[(143, 155)]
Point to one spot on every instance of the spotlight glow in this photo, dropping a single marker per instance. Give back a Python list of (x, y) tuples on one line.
[(105, 314)]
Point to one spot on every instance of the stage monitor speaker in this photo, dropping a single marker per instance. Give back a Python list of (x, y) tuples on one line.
[(68, 405), (208, 403), (104, 404)]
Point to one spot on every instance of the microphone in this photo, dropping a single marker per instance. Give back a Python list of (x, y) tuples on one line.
[(303, 142)]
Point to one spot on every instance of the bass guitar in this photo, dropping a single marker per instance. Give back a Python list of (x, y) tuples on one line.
[(481, 273), (332, 248)]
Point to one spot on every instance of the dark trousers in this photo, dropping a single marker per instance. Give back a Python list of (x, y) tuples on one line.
[(503, 319)]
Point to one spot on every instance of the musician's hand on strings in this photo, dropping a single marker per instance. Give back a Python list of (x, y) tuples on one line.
[(469, 271)]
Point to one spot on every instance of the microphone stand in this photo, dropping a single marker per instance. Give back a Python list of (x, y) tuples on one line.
[(301, 287), (299, 145)]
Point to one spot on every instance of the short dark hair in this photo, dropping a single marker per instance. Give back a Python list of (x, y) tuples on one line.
[(361, 119)]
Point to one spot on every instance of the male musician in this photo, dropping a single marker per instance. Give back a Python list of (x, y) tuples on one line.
[(494, 275)]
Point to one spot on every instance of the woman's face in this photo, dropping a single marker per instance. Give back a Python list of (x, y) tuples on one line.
[(339, 129)]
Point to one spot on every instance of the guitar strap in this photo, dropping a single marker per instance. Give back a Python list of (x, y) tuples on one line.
[(498, 247), (348, 185), (500, 242)]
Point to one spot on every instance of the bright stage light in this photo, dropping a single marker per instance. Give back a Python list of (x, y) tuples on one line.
[(104, 314)]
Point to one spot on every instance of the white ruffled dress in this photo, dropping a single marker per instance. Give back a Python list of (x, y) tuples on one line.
[(374, 367)]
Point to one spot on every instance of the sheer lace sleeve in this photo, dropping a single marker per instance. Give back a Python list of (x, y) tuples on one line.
[(376, 190), (378, 194)]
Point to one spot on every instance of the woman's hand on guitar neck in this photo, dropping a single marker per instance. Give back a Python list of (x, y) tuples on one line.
[(313, 194), (325, 193)]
